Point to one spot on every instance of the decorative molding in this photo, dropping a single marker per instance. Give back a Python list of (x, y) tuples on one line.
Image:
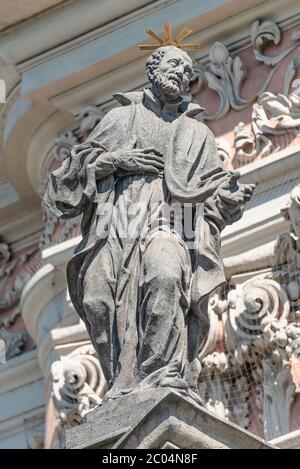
[(287, 248), (257, 347), (261, 34), (20, 371), (290, 73), (35, 429), (89, 117)]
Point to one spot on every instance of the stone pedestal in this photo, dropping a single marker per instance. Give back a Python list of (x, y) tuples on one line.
[(158, 419)]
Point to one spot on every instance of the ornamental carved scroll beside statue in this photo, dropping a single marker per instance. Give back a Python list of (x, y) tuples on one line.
[(154, 197)]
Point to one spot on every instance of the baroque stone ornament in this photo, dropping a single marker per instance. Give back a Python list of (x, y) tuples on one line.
[(274, 115), (225, 76), (254, 341), (244, 144), (77, 385), (262, 34), (226, 73), (275, 124), (154, 198), (224, 150), (16, 269), (248, 352)]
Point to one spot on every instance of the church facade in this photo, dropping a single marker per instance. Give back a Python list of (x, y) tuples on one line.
[(61, 63)]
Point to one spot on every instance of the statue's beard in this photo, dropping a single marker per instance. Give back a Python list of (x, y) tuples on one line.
[(169, 87)]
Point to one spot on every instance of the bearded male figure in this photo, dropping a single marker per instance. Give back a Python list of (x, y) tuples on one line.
[(142, 295)]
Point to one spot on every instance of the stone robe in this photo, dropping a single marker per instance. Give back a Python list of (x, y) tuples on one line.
[(138, 292)]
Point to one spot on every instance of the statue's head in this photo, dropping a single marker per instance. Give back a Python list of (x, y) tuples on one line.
[(170, 69)]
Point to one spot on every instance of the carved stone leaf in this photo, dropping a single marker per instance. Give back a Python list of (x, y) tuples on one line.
[(225, 76), (261, 35), (278, 393), (219, 56), (239, 72), (217, 85)]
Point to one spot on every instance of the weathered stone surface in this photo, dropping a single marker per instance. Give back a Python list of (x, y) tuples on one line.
[(158, 419), (155, 197)]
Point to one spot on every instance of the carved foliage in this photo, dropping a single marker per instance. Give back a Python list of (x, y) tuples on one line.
[(225, 73)]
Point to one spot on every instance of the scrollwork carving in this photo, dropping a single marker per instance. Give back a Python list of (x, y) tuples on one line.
[(274, 114), (244, 144), (77, 385), (89, 117), (15, 342), (260, 302), (29, 261), (224, 150), (226, 74), (262, 34), (252, 340)]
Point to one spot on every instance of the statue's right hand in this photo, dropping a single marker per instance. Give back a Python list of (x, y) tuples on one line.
[(139, 161)]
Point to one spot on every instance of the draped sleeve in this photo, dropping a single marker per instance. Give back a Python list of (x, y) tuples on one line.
[(74, 183)]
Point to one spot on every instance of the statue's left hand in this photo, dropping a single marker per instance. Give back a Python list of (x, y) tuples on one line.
[(234, 192), (232, 197)]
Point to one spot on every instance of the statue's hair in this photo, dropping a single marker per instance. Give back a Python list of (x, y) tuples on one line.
[(154, 60)]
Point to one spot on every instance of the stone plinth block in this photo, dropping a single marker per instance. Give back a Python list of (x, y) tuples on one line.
[(158, 419)]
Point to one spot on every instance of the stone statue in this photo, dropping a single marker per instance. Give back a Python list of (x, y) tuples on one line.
[(136, 280)]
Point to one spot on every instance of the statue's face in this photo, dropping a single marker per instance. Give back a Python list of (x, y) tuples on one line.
[(174, 73)]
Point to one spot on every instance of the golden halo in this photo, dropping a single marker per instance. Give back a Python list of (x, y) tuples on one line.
[(167, 40)]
